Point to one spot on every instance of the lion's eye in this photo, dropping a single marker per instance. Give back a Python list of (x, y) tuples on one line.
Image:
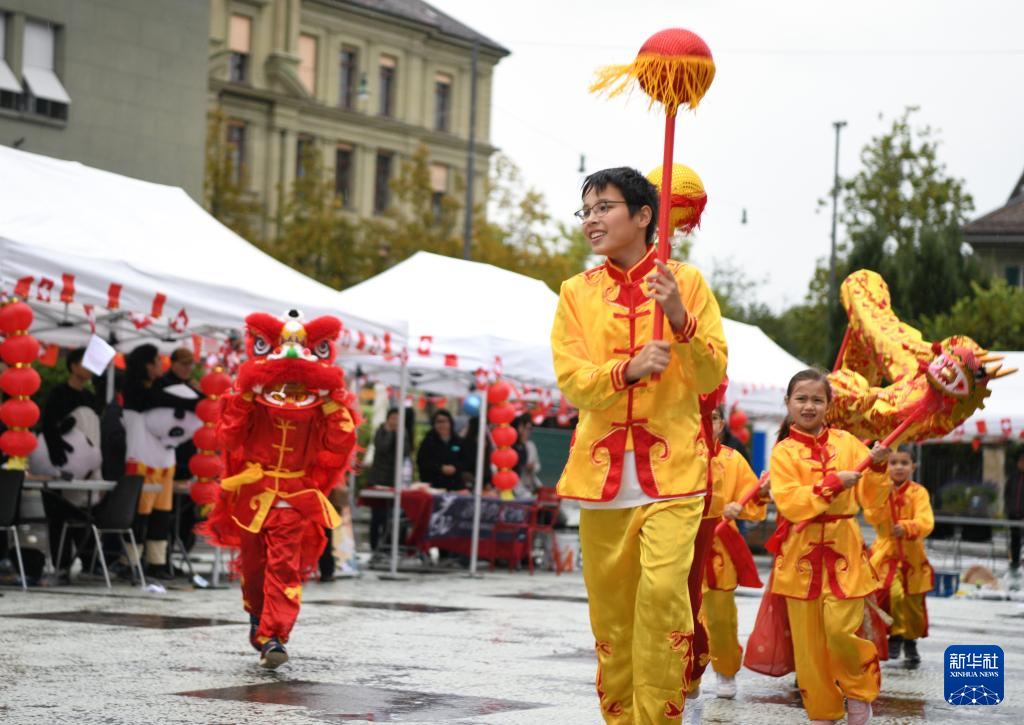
[(260, 346), (323, 349)]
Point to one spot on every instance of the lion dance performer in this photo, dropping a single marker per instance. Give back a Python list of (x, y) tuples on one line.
[(289, 432)]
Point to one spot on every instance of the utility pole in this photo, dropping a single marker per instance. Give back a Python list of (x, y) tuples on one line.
[(467, 240), (832, 289)]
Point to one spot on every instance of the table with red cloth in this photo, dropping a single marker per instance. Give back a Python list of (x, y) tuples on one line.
[(445, 520)]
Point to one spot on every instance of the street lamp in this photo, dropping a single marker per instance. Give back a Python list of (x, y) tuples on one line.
[(838, 125)]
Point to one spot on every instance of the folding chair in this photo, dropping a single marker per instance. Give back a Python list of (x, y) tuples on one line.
[(115, 516), (10, 502)]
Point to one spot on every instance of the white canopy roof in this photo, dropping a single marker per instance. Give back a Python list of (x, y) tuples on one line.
[(141, 254), (1002, 418), (462, 315)]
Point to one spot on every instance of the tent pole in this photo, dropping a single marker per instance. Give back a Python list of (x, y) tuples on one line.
[(396, 513), (478, 485)]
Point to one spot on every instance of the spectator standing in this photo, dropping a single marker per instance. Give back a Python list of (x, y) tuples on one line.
[(440, 454)]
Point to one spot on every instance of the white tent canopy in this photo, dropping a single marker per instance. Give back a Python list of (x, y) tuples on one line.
[(463, 316), (143, 259), (759, 371), (1002, 418)]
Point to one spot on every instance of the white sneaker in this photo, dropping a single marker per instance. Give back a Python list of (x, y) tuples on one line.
[(858, 712), (726, 688)]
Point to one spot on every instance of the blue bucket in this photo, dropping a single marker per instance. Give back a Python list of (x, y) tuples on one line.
[(946, 583)]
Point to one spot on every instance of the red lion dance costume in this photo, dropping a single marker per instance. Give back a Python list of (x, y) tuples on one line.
[(288, 430)]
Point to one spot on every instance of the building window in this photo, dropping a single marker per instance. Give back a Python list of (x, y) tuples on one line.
[(240, 45), (343, 174), (304, 147), (442, 102), (388, 71), (307, 62), (349, 78), (382, 181), (236, 150), (45, 94), (438, 187), (1014, 275), (10, 89)]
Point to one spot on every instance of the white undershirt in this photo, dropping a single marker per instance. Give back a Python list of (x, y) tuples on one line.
[(630, 495)]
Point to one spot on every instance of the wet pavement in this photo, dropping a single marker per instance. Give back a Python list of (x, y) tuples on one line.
[(505, 649)]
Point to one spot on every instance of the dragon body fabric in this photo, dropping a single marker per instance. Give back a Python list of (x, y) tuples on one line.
[(288, 432), (887, 374)]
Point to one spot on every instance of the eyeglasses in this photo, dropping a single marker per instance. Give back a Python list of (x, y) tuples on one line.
[(599, 210)]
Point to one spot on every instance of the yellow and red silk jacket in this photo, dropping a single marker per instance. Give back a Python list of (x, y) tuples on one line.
[(279, 448), (733, 477), (912, 508), (829, 551), (603, 320)]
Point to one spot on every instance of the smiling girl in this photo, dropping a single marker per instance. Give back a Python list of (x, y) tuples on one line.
[(821, 566)]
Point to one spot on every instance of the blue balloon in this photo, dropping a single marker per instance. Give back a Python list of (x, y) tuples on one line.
[(471, 405)]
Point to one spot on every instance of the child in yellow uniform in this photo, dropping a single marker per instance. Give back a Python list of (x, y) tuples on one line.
[(822, 567), (734, 478), (637, 462), (903, 522)]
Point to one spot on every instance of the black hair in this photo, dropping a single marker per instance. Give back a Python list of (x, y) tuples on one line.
[(522, 419), (815, 374), (636, 189), (391, 412), (442, 413), (904, 448), (135, 364), (74, 357)]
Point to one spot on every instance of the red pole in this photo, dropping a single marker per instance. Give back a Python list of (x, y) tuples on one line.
[(744, 500), (663, 212)]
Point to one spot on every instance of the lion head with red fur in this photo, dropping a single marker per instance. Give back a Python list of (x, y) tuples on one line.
[(290, 361)]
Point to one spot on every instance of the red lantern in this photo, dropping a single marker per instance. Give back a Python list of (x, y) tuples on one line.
[(205, 438), (19, 413), (500, 414), (504, 436), (208, 410), (20, 349), (498, 393), (15, 317), (205, 465), (204, 492), (563, 419), (504, 458), (215, 383), (17, 443), (505, 480), (17, 382), (743, 434)]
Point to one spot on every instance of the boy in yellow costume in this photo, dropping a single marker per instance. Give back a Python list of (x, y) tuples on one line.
[(637, 463), (903, 522), (821, 565), (734, 478)]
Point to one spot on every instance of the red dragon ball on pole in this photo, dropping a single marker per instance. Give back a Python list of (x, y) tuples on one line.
[(288, 430)]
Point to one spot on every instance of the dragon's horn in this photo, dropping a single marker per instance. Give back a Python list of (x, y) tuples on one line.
[(989, 357), (998, 372)]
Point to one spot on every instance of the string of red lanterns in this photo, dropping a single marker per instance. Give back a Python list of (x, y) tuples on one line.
[(206, 464), (19, 382), (501, 413)]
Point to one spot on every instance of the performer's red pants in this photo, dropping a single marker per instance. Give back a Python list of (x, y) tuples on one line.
[(271, 581), (701, 549)]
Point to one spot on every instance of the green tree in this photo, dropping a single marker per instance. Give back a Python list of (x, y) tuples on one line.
[(992, 316), (224, 185), (902, 216), (316, 237)]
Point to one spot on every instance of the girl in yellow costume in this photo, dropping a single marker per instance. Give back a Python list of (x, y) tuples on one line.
[(903, 523), (637, 462), (822, 567), (733, 477)]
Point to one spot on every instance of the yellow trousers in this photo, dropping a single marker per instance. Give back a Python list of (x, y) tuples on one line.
[(909, 616), (162, 500), (831, 660), (720, 618), (635, 565)]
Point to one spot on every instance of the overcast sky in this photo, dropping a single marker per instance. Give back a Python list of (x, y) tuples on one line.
[(762, 138)]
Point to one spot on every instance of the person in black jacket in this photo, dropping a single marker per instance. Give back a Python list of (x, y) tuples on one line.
[(469, 448), (382, 470), (1013, 498), (439, 457)]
